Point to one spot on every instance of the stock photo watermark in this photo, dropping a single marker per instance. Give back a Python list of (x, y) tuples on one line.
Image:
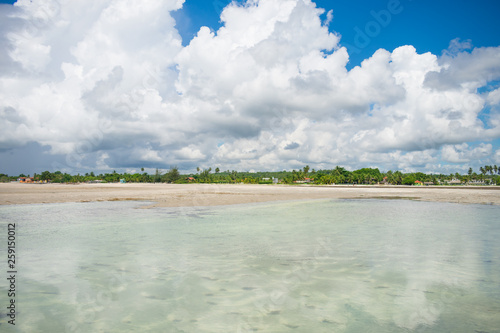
[(11, 273)]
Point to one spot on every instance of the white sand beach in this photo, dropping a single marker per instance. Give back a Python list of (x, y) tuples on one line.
[(177, 195)]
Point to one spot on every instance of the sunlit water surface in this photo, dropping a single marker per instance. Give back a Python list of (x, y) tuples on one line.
[(308, 266)]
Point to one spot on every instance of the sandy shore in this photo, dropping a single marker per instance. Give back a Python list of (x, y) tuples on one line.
[(170, 195)]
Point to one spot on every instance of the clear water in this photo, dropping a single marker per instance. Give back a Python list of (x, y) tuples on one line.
[(309, 266)]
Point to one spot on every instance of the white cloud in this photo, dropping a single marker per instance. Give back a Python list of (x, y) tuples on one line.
[(329, 17), (463, 153), (469, 70), (457, 46), (494, 97), (189, 153), (149, 155), (268, 90), (496, 156)]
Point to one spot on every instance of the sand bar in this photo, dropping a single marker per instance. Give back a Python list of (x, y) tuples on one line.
[(174, 195)]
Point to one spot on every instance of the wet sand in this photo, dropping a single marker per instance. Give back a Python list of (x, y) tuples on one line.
[(176, 195)]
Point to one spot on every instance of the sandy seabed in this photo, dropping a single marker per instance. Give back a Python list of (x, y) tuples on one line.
[(182, 195)]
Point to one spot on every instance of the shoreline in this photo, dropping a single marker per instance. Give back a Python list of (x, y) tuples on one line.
[(190, 195)]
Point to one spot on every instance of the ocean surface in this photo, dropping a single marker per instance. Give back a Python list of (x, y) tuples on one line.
[(301, 266)]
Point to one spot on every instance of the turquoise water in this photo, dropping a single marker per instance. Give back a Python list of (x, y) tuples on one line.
[(307, 266)]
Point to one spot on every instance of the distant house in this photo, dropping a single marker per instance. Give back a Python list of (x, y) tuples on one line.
[(428, 183), (122, 181), (418, 183), (476, 182), (25, 179), (190, 179), (305, 181), (384, 181), (454, 181)]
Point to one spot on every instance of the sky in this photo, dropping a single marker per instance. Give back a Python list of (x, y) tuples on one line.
[(249, 85)]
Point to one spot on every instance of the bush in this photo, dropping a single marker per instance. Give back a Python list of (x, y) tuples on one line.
[(409, 180)]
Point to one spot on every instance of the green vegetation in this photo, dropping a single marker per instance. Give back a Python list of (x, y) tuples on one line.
[(4, 178), (488, 175)]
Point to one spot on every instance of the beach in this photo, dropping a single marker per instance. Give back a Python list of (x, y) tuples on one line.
[(188, 195)]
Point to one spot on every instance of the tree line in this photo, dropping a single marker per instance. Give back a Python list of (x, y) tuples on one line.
[(338, 175)]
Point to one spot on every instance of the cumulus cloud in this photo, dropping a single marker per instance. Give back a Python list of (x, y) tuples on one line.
[(463, 153), (109, 85), (469, 70), (496, 156)]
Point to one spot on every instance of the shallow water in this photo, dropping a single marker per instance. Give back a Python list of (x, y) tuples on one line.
[(305, 266)]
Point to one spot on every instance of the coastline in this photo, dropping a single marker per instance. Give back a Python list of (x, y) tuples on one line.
[(189, 195)]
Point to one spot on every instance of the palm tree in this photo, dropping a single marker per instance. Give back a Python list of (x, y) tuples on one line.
[(158, 173), (350, 178), (338, 170), (398, 177), (390, 177)]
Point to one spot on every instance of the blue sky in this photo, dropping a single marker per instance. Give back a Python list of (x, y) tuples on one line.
[(428, 25), (409, 85)]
